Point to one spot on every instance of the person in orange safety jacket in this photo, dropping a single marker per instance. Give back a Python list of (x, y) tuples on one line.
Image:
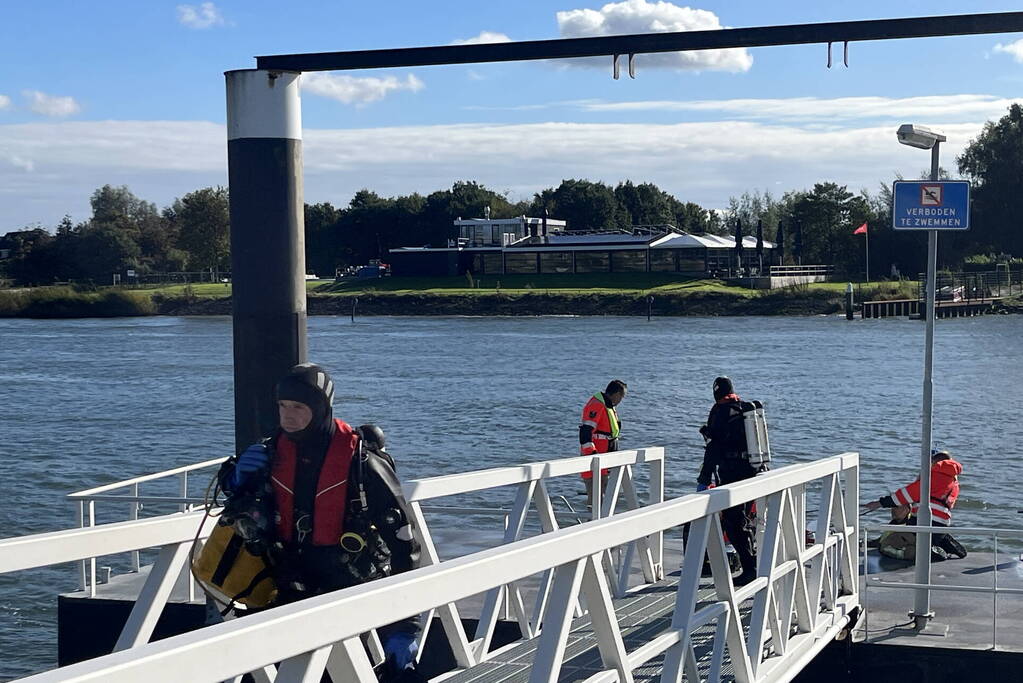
[(600, 427), (905, 503), (944, 492)]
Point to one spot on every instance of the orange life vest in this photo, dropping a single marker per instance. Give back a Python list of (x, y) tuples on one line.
[(944, 491), (331, 497), (599, 416)]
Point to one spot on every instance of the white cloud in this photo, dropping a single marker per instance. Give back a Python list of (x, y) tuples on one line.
[(203, 16), (51, 105), (483, 37), (1015, 49), (827, 111), (358, 91), (5, 102), (16, 161), (641, 16), (705, 162)]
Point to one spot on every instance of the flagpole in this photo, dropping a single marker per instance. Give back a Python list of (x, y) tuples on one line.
[(866, 247)]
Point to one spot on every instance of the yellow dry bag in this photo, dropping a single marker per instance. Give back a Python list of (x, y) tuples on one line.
[(231, 574)]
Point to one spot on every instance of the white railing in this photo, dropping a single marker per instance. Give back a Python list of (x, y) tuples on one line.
[(174, 538), (127, 492), (792, 271), (994, 590), (532, 494), (803, 597), (172, 534)]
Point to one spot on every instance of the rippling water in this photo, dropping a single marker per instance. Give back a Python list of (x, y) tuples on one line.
[(85, 402)]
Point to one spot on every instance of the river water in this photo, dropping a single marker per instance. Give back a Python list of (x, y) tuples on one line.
[(86, 402)]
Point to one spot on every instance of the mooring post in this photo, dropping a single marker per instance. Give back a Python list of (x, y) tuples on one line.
[(848, 301), (264, 159)]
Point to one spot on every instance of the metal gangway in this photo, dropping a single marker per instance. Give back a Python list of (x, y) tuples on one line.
[(606, 606)]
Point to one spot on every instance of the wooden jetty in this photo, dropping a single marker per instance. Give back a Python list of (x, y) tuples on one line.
[(912, 308)]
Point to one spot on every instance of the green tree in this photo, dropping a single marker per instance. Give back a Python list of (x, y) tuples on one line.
[(828, 215), (755, 206), (322, 249), (693, 218), (104, 249), (994, 164), (644, 204), (584, 205), (117, 204), (202, 220)]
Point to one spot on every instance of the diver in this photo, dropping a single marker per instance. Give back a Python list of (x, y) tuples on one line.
[(726, 460), (338, 515)]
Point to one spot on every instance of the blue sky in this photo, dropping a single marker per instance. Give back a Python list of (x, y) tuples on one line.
[(133, 93)]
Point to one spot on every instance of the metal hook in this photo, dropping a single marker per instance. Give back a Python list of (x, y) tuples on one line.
[(829, 54), (632, 66), (614, 67), (845, 54)]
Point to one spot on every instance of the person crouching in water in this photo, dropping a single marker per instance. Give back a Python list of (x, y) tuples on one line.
[(326, 536), (905, 502)]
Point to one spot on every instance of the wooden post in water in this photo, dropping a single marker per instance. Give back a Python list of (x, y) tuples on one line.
[(848, 301)]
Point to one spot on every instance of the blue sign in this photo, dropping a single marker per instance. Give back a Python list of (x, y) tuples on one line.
[(931, 205)]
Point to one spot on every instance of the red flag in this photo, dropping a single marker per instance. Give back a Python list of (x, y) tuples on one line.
[(862, 230)]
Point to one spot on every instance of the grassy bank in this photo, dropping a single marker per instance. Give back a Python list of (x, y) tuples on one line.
[(617, 294), (65, 302)]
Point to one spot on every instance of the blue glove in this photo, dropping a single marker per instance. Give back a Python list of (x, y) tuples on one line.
[(702, 487), (401, 648), (252, 459)]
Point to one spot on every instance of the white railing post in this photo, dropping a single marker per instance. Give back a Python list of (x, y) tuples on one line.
[(183, 491), (92, 560), (133, 513), (153, 597), (656, 495), (550, 651), (994, 592), (83, 566)]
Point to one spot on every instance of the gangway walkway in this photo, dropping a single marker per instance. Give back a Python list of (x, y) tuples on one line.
[(664, 628)]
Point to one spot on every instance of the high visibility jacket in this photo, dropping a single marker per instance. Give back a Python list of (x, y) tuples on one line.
[(944, 491), (600, 421), (331, 499)]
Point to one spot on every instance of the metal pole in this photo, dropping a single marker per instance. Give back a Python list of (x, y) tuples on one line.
[(866, 248), (922, 603), (264, 156)]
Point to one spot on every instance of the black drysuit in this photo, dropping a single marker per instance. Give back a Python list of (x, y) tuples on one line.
[(723, 463)]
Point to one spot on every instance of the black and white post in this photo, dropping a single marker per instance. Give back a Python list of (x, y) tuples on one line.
[(264, 155)]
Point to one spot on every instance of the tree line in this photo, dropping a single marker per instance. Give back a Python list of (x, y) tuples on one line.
[(811, 226)]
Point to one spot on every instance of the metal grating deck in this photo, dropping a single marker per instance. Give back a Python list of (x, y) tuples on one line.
[(642, 616)]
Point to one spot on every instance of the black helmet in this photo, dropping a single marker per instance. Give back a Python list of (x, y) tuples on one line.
[(722, 387), (310, 384)]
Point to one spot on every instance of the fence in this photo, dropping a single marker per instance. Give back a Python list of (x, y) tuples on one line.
[(796, 271), (804, 594), (128, 493), (965, 286), (174, 538), (994, 591)]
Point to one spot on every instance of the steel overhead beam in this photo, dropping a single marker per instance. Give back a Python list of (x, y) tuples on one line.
[(644, 43)]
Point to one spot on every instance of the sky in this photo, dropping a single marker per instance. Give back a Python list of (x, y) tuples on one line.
[(131, 93)]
